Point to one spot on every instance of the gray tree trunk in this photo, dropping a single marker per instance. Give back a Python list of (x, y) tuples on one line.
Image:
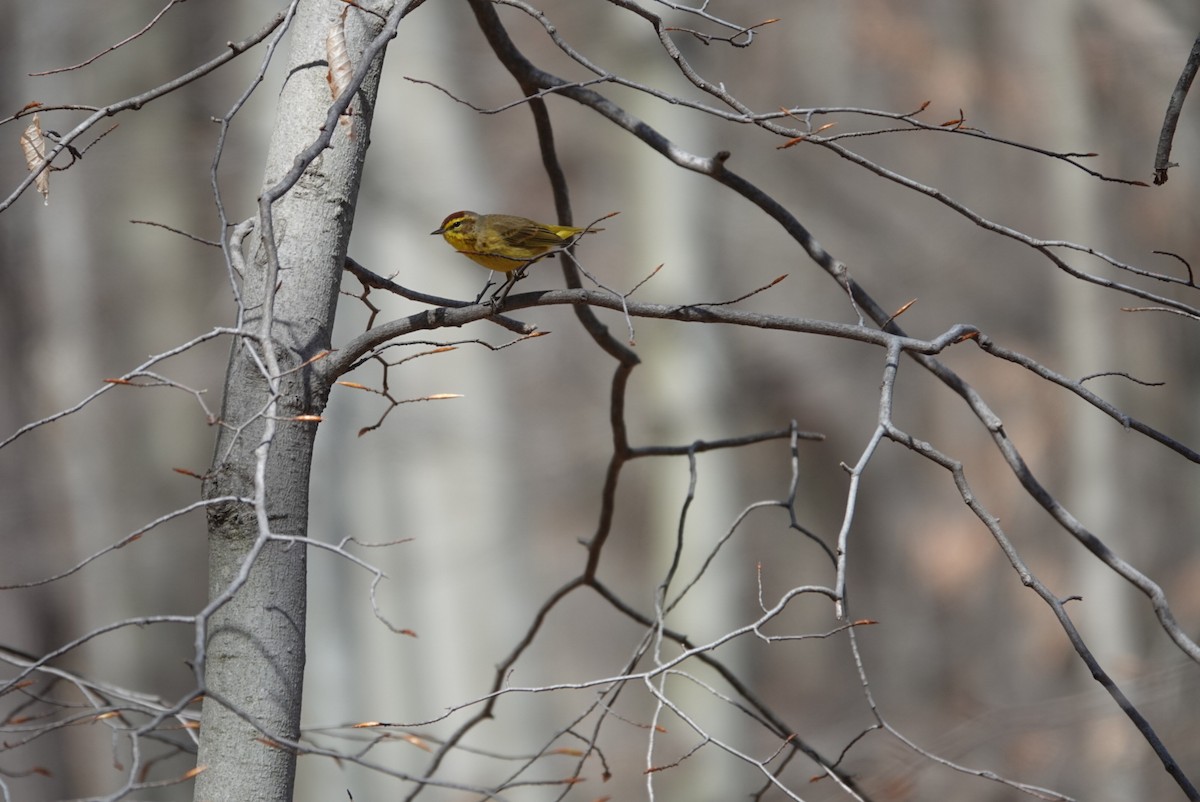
[(255, 645)]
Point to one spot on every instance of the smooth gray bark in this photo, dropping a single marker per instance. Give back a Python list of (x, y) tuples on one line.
[(255, 646)]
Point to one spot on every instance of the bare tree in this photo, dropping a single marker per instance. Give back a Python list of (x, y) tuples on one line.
[(760, 617), (252, 647)]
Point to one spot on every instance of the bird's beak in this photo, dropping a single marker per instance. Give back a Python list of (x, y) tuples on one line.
[(437, 231)]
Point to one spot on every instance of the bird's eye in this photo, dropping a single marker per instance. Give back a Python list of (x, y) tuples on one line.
[(455, 224)]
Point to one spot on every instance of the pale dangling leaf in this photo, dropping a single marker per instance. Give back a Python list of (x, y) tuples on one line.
[(34, 148)]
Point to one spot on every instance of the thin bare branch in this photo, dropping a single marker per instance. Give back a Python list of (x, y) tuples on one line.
[(154, 20), (1166, 137)]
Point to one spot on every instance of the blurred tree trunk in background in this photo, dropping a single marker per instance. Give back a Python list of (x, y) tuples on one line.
[(1057, 57), (77, 295)]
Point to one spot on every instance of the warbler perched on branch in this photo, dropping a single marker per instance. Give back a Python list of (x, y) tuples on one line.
[(504, 242)]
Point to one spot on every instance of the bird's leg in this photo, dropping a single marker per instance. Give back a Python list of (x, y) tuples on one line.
[(504, 289), (486, 285), (512, 278)]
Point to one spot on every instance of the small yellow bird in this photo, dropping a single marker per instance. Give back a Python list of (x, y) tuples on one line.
[(504, 242)]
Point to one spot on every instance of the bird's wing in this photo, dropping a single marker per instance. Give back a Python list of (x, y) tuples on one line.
[(526, 233)]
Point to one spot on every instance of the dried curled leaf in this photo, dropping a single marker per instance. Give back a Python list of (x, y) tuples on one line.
[(338, 57), (34, 148), (420, 743)]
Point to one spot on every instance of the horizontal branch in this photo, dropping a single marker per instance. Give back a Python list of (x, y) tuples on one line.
[(442, 317)]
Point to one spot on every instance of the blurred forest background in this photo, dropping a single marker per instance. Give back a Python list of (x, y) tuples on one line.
[(497, 488)]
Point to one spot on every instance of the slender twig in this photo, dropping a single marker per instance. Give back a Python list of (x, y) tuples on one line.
[(112, 47), (1166, 137)]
